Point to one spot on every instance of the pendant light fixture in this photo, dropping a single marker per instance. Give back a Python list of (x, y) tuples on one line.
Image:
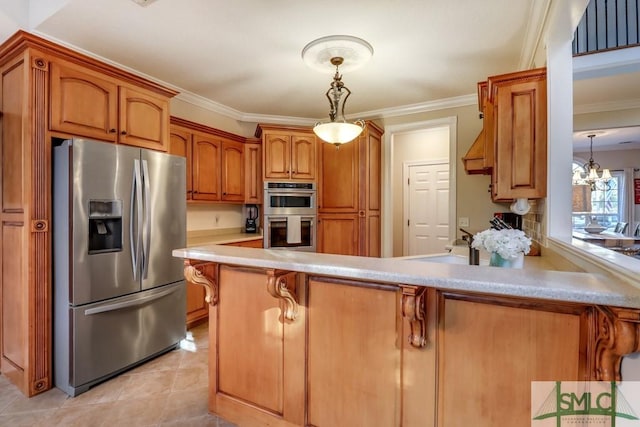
[(591, 171), (332, 52)]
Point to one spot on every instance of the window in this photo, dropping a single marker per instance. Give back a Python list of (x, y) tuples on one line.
[(606, 207)]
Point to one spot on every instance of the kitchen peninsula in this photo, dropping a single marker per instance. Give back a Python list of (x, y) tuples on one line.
[(325, 340)]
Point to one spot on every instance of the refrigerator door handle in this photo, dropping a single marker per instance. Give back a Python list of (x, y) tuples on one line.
[(136, 199), (146, 241), (131, 303)]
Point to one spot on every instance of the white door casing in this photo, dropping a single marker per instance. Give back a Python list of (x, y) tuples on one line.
[(426, 207)]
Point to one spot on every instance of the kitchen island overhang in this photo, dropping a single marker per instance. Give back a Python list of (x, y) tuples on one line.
[(295, 334)]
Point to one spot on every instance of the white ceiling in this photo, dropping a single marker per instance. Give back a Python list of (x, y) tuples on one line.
[(246, 54), (242, 57)]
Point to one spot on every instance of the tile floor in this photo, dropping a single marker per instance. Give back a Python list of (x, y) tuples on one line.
[(170, 390)]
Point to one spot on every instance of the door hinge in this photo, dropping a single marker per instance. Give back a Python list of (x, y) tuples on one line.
[(408, 221), (408, 181)]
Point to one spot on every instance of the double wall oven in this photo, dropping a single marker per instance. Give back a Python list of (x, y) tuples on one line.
[(290, 215)]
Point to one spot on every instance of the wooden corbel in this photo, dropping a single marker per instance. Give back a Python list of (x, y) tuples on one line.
[(617, 335), (282, 284), (414, 310), (194, 274)]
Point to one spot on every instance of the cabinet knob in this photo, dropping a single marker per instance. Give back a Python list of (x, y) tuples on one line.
[(112, 131), (124, 132)]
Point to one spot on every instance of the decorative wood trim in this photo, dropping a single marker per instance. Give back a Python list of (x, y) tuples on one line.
[(617, 335), (194, 274), (281, 284), (193, 126), (414, 310), (39, 369)]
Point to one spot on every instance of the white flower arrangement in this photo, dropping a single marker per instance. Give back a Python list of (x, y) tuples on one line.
[(508, 243)]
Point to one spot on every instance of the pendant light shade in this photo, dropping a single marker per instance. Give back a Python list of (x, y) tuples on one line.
[(338, 132)]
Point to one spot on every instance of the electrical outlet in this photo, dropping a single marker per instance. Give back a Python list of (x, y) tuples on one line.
[(463, 221)]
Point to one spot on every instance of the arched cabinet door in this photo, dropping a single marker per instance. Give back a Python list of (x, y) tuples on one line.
[(82, 103), (144, 119), (206, 168)]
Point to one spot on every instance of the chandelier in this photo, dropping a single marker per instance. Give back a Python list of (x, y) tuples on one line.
[(336, 51), (590, 173)]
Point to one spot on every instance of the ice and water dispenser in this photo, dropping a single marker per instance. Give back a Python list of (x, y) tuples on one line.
[(105, 226)]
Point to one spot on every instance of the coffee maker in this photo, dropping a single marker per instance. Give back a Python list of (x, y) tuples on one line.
[(251, 225)]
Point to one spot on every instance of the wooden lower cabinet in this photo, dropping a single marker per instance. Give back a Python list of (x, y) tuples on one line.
[(197, 308), (338, 234), (489, 353), (290, 349)]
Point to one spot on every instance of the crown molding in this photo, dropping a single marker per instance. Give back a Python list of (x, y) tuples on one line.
[(207, 104), (539, 14)]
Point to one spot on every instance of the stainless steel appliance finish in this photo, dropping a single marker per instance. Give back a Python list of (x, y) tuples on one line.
[(276, 232), (289, 198), (287, 205), (119, 295)]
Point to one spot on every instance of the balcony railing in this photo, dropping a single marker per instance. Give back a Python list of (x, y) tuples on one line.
[(606, 25)]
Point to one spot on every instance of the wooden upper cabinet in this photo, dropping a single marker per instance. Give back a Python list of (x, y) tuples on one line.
[(277, 156), (82, 103), (89, 104), (303, 157), (180, 145), (206, 164), (232, 169), (144, 119), (520, 149), (512, 146), (289, 153), (253, 190), (216, 162), (339, 184)]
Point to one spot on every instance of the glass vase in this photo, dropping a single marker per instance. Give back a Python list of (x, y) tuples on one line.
[(497, 261)]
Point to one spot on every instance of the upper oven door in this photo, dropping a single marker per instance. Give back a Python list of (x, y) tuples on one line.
[(289, 202)]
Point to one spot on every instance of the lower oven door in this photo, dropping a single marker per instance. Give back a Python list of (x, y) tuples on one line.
[(295, 232)]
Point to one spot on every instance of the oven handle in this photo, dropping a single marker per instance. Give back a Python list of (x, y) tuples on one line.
[(296, 193)]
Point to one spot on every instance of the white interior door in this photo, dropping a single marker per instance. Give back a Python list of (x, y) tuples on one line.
[(426, 200)]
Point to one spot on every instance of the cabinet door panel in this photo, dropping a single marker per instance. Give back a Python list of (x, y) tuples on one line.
[(144, 119), (206, 164), (277, 155), (338, 234), (180, 145), (253, 173), (520, 124), (303, 157), (339, 184), (82, 103), (524, 346), (232, 168), (349, 342)]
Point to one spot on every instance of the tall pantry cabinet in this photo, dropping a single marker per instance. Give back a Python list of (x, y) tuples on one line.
[(349, 195), (29, 121)]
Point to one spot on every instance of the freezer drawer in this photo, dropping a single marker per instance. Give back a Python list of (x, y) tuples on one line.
[(110, 336)]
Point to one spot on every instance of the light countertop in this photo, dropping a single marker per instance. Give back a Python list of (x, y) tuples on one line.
[(529, 282), (220, 236)]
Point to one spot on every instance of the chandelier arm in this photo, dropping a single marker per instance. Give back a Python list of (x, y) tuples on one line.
[(332, 107), (344, 102)]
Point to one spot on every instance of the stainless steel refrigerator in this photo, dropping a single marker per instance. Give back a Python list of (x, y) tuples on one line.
[(119, 295)]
